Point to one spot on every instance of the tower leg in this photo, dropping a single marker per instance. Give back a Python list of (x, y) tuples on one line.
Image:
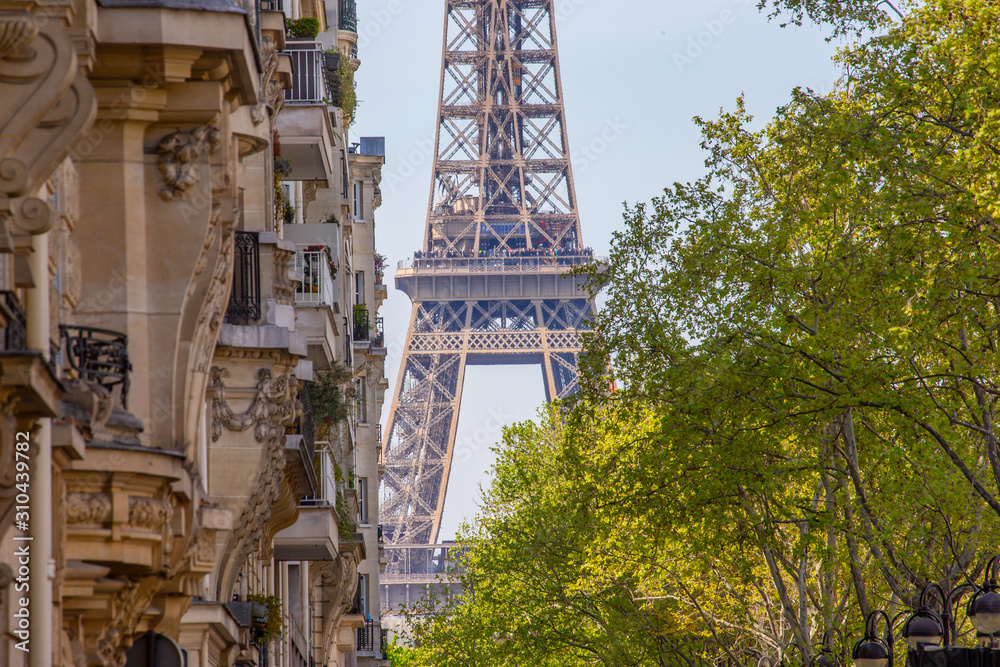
[(420, 442)]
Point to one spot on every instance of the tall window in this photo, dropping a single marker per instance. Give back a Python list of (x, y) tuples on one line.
[(363, 500), (359, 288), (363, 594), (359, 213), (363, 402)]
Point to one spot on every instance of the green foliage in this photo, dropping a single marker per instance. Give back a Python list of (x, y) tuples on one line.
[(330, 404), (282, 168), (282, 207), (347, 94), (274, 625), (346, 522), (804, 344), (404, 656), (843, 16), (305, 28)]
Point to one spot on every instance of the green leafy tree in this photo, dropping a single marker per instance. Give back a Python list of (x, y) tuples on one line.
[(804, 344)]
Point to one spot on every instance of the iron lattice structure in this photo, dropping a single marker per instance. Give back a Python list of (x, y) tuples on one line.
[(491, 284)]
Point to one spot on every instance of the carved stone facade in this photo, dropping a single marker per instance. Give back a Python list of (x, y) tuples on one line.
[(170, 445)]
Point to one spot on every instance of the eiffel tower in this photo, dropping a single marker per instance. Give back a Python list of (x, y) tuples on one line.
[(490, 285)]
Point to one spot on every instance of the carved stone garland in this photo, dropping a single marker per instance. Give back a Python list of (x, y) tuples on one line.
[(267, 417)]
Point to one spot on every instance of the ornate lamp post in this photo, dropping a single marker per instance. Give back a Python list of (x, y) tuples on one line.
[(983, 609), (872, 650), (929, 633)]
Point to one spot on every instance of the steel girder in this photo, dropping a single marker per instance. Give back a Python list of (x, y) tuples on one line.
[(502, 181)]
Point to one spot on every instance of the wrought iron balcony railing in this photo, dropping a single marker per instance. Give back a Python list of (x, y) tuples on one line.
[(98, 355), (15, 334), (244, 300), (367, 635), (378, 336), (349, 15), (272, 5), (381, 536)]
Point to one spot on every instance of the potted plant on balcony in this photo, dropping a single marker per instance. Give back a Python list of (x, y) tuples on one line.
[(361, 324), (267, 620), (328, 254), (305, 28)]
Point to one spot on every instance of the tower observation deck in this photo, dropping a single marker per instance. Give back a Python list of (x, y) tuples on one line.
[(491, 283)]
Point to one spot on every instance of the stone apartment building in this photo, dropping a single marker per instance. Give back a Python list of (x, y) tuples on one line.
[(191, 358)]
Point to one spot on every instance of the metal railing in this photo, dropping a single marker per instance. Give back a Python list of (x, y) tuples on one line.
[(98, 355), (384, 643), (367, 636), (244, 300), (307, 73), (272, 5), (378, 336), (317, 285), (326, 479), (15, 334), (500, 264), (381, 536), (348, 15), (298, 646), (422, 563)]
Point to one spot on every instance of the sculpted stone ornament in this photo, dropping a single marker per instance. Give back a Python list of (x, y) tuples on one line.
[(179, 154), (284, 288), (258, 415), (48, 103), (273, 93), (15, 34), (127, 607), (149, 513), (87, 508)]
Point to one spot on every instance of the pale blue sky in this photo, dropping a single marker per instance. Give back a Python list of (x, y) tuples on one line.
[(633, 70)]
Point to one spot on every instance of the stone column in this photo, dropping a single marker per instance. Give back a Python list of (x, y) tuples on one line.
[(40, 498)]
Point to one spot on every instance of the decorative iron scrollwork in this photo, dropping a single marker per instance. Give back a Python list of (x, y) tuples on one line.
[(98, 355), (15, 336)]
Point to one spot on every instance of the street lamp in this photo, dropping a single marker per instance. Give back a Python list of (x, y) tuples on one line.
[(929, 634), (983, 609), (926, 626), (871, 650), (824, 656)]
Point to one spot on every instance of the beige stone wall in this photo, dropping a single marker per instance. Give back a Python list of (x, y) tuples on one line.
[(159, 506)]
